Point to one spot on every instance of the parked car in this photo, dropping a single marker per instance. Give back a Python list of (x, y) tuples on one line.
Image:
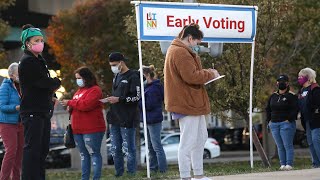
[(108, 144), (171, 142), (58, 157), (300, 138)]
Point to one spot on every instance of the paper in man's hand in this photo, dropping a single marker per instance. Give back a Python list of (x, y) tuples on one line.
[(214, 79)]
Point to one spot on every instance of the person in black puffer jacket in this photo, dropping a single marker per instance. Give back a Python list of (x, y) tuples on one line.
[(309, 103), (37, 89), (282, 110)]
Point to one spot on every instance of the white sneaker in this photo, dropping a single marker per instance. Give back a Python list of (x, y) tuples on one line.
[(282, 167), (288, 167), (204, 178)]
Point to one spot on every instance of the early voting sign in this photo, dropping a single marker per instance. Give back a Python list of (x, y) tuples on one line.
[(163, 21), (219, 23)]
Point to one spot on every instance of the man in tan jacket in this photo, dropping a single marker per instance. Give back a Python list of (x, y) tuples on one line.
[(187, 100)]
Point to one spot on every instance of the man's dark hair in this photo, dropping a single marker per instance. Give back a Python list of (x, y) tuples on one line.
[(87, 75)]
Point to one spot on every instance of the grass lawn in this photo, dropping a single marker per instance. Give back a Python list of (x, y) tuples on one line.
[(214, 169)]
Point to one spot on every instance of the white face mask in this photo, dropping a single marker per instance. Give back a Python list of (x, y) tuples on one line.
[(80, 82), (115, 69)]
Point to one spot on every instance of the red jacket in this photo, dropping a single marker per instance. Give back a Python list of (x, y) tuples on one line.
[(87, 115)]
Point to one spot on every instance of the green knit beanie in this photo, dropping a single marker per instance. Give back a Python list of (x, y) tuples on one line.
[(27, 33)]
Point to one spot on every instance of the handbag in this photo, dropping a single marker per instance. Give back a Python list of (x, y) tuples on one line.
[(68, 137)]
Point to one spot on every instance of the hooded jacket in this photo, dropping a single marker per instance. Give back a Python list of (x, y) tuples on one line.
[(309, 99), (125, 113), (184, 80), (153, 100), (282, 107)]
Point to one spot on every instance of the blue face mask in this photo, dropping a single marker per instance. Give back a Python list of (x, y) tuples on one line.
[(80, 82), (195, 49)]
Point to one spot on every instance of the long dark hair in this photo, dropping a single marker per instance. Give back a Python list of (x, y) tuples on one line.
[(87, 75), (193, 30)]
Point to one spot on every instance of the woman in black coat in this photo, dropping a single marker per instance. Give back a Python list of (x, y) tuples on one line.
[(37, 88)]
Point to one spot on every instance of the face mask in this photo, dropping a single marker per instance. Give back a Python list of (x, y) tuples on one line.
[(115, 69), (302, 80), (282, 85), (195, 48), (145, 82), (80, 82), (37, 48)]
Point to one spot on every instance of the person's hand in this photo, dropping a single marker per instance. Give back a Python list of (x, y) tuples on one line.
[(18, 107), (113, 99), (64, 102), (215, 72)]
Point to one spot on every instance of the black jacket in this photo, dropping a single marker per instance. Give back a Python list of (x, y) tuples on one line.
[(125, 113), (312, 107), (37, 87), (282, 107)]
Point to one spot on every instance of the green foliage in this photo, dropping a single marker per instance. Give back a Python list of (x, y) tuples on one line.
[(4, 30), (298, 45), (86, 34), (4, 4)]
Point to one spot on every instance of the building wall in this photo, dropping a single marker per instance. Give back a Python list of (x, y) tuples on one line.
[(50, 7)]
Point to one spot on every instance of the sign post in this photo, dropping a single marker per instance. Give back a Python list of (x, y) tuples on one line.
[(162, 21)]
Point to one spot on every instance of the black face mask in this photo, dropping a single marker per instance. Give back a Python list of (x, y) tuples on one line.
[(282, 85)]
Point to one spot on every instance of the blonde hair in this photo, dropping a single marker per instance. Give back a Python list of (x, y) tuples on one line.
[(310, 73), (150, 70), (12, 68)]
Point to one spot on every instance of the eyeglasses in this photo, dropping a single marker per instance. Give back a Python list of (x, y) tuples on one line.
[(187, 26)]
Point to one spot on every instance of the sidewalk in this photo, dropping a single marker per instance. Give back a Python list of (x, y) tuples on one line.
[(306, 174)]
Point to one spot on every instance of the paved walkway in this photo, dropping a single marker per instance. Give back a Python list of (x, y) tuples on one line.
[(306, 174)]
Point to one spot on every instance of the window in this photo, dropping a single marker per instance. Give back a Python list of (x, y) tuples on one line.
[(172, 140)]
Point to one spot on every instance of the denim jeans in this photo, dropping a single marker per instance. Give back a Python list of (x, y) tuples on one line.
[(89, 146), (158, 158), (283, 134), (123, 144), (314, 144)]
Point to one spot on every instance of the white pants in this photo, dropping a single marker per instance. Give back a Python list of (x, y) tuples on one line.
[(193, 136)]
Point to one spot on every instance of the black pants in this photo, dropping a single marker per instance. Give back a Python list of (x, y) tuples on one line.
[(37, 128)]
